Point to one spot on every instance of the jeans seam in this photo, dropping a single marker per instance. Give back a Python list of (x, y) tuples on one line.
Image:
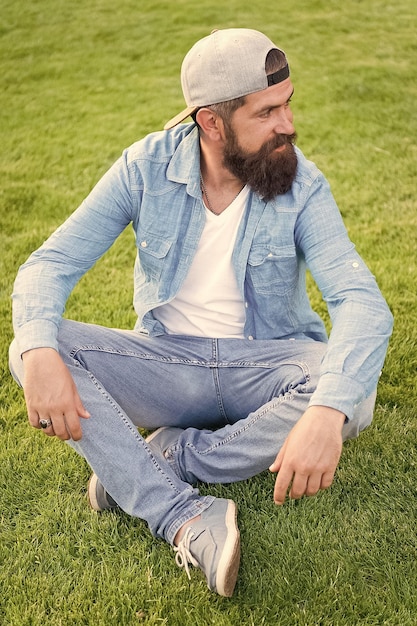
[(198, 362), (138, 355), (288, 396), (204, 363), (133, 430)]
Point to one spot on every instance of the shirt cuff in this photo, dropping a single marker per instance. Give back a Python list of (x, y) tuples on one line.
[(37, 334), (338, 392)]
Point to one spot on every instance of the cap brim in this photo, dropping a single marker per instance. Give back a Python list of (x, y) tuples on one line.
[(180, 117)]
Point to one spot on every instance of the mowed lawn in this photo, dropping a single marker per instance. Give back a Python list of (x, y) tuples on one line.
[(80, 81)]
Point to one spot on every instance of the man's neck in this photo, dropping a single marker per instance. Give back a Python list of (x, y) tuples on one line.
[(220, 186)]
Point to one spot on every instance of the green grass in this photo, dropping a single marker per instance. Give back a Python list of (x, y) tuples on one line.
[(79, 82)]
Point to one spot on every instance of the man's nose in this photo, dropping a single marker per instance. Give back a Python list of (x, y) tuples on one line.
[(284, 123)]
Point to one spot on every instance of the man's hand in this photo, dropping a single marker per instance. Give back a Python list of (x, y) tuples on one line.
[(51, 394), (308, 459)]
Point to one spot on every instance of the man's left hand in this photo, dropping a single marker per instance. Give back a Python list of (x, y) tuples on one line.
[(308, 459)]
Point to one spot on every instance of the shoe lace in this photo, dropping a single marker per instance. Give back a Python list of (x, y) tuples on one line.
[(183, 555)]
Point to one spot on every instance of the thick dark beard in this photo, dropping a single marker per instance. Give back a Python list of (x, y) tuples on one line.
[(268, 173)]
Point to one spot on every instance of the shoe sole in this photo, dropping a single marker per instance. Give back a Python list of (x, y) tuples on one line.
[(91, 493), (228, 567), (155, 433)]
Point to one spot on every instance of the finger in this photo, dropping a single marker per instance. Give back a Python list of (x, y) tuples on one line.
[(67, 426), (313, 484), (327, 480), (46, 426), (282, 484), (33, 418), (80, 408), (73, 425), (63, 427), (275, 466), (299, 485), (60, 429)]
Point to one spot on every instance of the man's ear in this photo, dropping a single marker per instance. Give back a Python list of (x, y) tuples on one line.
[(210, 123)]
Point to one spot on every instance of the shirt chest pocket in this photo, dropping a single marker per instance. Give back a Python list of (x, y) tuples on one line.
[(273, 269), (153, 252)]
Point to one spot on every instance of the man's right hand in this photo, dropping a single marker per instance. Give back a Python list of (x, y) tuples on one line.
[(51, 394)]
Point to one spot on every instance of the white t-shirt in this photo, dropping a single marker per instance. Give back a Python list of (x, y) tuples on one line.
[(209, 303)]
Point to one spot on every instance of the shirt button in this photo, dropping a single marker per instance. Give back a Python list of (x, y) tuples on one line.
[(355, 264), (250, 337), (246, 305), (143, 244)]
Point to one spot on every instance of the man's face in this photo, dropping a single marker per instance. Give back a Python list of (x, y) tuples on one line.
[(258, 146)]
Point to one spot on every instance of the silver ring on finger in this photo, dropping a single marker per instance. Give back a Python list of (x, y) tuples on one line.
[(45, 423)]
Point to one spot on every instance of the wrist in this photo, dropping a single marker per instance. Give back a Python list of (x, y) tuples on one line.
[(37, 353), (327, 414)]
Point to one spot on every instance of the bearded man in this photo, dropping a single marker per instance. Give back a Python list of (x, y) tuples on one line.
[(228, 364)]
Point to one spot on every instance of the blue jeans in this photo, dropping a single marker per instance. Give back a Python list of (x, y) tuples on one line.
[(236, 399)]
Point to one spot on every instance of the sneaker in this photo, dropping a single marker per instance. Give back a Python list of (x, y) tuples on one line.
[(163, 438), (98, 497), (212, 543)]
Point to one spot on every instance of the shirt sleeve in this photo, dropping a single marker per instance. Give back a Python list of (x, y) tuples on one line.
[(360, 318), (46, 279)]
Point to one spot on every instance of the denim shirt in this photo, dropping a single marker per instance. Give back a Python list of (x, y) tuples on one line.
[(155, 186)]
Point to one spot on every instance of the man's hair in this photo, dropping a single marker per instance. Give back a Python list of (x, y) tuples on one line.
[(275, 60)]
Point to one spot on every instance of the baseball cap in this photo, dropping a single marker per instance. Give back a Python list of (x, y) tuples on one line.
[(227, 64)]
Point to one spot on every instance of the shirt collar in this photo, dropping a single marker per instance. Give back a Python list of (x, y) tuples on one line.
[(184, 166)]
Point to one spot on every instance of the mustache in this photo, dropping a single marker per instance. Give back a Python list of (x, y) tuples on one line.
[(264, 153), (278, 141)]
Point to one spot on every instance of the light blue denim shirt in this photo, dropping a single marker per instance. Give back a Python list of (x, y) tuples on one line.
[(155, 186)]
